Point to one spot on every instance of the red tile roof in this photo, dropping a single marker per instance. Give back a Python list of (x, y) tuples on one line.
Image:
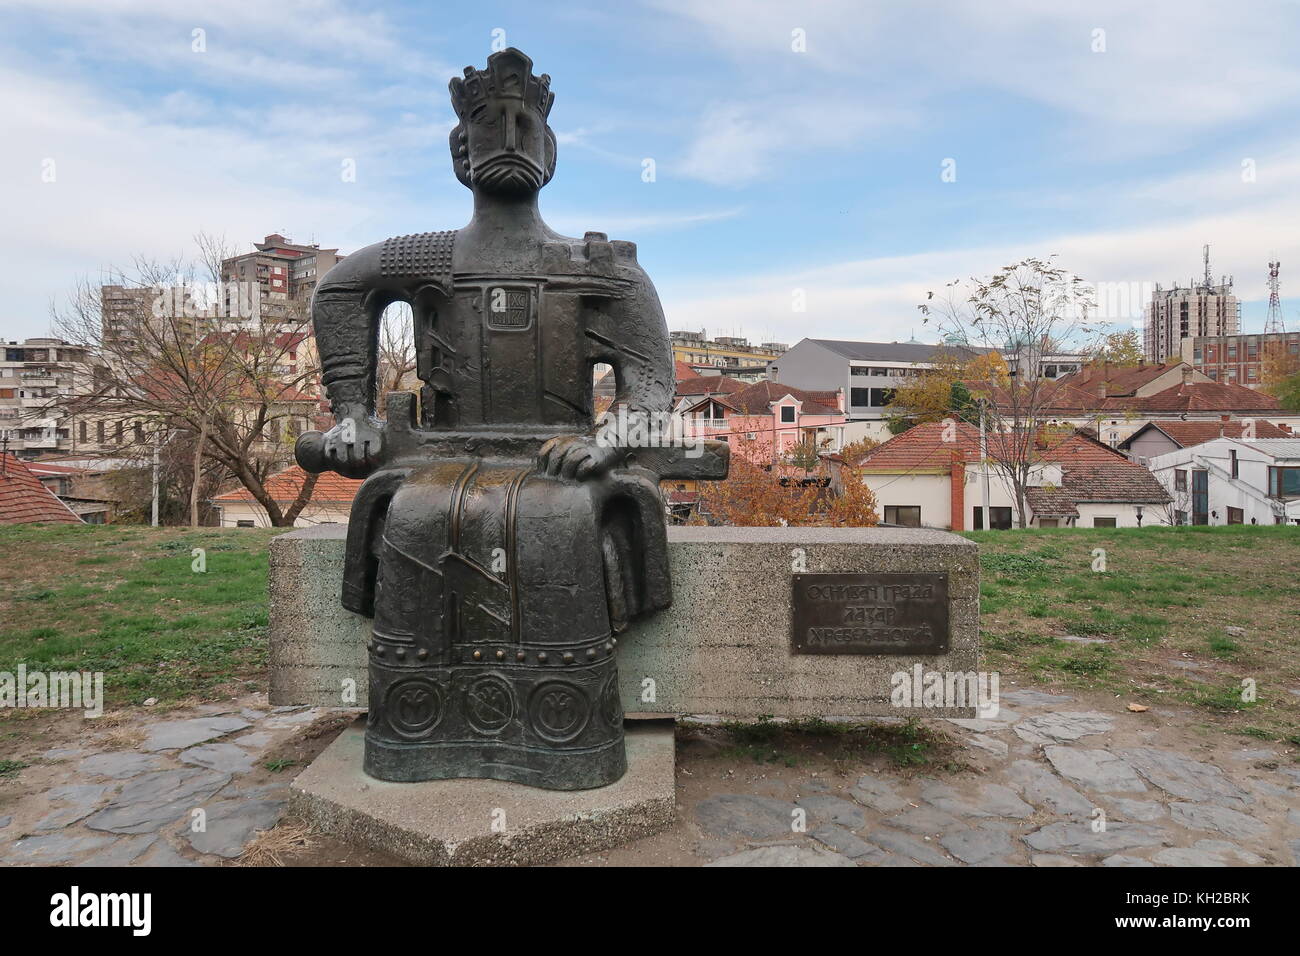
[(46, 469), (1051, 503), (1074, 394), (1185, 434), (1119, 380), (757, 399), (285, 486), (24, 500), (923, 447), (1118, 481), (1090, 470), (708, 385)]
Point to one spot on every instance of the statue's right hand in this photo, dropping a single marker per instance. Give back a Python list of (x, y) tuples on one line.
[(352, 448)]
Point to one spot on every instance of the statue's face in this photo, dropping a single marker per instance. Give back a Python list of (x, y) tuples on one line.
[(507, 148)]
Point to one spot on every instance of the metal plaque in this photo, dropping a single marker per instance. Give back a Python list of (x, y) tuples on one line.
[(869, 614)]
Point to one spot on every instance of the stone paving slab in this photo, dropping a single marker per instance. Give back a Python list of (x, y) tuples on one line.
[(113, 807), (1084, 787), (179, 734)]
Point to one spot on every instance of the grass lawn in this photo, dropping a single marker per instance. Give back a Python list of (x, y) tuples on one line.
[(124, 600), (1164, 606)]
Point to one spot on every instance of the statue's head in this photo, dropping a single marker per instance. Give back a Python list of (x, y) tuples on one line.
[(502, 144)]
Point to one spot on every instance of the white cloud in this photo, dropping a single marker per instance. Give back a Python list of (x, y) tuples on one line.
[(876, 299), (1171, 70)]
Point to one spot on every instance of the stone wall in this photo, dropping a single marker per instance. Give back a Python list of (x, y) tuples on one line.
[(722, 648)]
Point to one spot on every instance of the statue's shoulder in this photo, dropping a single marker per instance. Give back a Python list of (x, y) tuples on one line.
[(423, 255), (594, 254), (397, 261)]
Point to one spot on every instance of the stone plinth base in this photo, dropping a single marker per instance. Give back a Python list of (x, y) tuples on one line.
[(488, 822), (722, 648)]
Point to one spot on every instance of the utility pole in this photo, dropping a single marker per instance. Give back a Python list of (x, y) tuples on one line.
[(984, 468), (155, 483)]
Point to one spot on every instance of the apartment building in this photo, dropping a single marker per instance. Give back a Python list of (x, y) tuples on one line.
[(35, 375), (726, 354), (1182, 313), (284, 272), (1239, 359)]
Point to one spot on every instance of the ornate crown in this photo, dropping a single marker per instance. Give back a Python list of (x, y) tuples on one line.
[(509, 73)]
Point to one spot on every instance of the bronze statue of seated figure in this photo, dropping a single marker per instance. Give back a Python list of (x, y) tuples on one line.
[(499, 542)]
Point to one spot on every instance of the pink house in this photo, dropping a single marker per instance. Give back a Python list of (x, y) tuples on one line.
[(767, 420)]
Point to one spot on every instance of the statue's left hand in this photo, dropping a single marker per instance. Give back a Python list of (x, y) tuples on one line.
[(576, 456)]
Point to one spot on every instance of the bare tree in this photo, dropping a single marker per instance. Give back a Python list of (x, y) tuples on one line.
[(191, 359), (396, 355), (1031, 307)]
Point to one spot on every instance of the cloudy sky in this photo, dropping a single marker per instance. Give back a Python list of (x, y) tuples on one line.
[(795, 146)]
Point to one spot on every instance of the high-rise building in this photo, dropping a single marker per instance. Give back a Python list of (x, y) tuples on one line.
[(1196, 310), (284, 272)]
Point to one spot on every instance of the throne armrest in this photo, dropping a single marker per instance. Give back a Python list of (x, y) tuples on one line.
[(709, 460)]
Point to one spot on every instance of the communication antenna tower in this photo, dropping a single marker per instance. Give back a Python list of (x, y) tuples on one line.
[(1274, 323)]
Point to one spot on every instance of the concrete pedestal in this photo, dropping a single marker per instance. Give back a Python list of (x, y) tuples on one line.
[(488, 822), (723, 647)]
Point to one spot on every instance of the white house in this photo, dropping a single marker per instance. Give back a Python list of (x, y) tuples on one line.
[(1233, 481), (331, 500), (932, 476)]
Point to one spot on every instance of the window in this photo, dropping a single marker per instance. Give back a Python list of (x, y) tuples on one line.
[(1283, 482), (1000, 518), (881, 397), (243, 524), (1180, 480), (859, 396), (909, 516), (1235, 516), (880, 371), (1180, 517), (787, 414), (1200, 496), (1103, 522), (1232, 462)]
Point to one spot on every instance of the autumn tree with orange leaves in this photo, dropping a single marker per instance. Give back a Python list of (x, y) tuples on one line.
[(753, 496)]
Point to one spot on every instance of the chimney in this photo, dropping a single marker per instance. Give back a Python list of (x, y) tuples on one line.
[(957, 494), (1101, 389), (1187, 374)]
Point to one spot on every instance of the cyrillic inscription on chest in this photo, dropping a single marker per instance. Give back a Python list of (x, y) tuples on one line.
[(508, 308)]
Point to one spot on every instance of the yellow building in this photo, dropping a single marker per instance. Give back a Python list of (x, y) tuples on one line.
[(732, 356)]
